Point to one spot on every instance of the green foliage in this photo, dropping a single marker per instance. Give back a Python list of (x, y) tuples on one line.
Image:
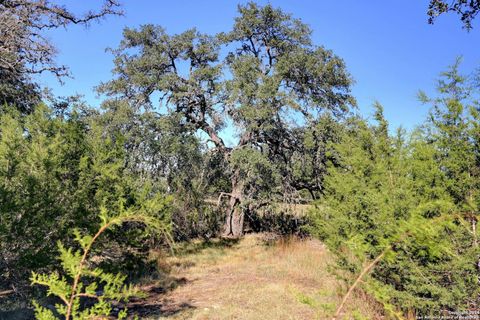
[(40, 158), (416, 200), (55, 175), (81, 280), (256, 172)]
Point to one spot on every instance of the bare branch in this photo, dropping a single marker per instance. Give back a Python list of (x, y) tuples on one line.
[(26, 51)]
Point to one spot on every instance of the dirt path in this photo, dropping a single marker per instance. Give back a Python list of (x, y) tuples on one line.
[(249, 280)]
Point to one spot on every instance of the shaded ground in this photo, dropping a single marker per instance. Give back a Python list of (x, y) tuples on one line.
[(249, 280)]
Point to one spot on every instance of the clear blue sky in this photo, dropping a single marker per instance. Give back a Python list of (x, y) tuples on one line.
[(388, 47)]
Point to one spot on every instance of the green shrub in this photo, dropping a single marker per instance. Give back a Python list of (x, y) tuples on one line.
[(413, 203), (80, 280)]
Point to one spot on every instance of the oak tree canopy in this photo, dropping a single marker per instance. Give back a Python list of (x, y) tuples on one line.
[(265, 76)]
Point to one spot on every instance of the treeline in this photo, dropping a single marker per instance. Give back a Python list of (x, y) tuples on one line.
[(407, 201)]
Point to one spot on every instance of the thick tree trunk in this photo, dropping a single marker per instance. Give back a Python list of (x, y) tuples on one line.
[(233, 227)]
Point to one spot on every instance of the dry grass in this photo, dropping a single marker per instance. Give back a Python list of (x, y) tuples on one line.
[(252, 280)]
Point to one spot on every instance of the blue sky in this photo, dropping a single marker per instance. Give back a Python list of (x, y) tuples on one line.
[(388, 47)]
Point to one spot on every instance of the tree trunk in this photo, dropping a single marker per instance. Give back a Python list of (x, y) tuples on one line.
[(233, 227)]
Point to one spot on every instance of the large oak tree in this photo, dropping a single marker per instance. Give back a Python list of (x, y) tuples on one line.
[(264, 76)]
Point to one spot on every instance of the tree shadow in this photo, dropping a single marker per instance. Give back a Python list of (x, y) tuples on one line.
[(18, 314), (156, 303), (160, 309)]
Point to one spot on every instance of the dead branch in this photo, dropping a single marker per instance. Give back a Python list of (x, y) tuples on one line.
[(6, 293), (220, 197)]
